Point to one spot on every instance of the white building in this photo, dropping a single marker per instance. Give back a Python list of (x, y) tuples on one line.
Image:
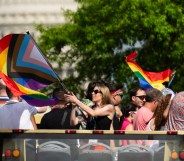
[(20, 16)]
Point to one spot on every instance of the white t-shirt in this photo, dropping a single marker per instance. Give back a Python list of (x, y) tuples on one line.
[(16, 115)]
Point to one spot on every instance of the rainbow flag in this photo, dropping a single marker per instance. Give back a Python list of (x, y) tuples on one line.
[(60, 106), (148, 79), (25, 70), (117, 92)]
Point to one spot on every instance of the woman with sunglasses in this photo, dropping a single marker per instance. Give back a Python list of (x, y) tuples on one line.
[(103, 111)]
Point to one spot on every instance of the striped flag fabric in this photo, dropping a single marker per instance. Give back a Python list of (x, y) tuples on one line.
[(148, 79), (25, 70)]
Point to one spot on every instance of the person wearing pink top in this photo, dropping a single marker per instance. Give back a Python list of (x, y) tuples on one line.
[(142, 117), (145, 113), (129, 112)]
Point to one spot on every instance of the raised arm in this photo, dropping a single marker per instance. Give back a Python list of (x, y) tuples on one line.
[(41, 109), (106, 110)]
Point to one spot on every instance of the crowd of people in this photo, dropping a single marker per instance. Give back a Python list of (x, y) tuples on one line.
[(101, 109)]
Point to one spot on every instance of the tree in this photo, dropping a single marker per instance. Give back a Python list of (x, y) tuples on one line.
[(97, 32)]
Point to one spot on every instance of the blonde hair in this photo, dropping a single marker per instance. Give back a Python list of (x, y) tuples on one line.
[(106, 95)]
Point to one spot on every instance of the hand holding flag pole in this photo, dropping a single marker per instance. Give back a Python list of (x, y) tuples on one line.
[(25, 70), (59, 79)]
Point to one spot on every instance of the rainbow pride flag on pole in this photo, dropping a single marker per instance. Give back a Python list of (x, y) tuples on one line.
[(148, 79), (25, 70)]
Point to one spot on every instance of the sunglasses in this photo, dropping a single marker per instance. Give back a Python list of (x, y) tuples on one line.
[(96, 91), (119, 95), (134, 112), (141, 97)]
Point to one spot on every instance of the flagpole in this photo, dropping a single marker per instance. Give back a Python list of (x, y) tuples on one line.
[(60, 81), (172, 77)]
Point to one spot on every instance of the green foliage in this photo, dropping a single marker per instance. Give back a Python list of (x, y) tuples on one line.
[(98, 27)]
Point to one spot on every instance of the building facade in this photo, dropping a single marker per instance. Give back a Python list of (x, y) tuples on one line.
[(20, 16)]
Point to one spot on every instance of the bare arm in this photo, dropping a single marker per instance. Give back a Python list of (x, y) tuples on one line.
[(106, 110), (41, 109), (166, 111), (129, 127), (33, 122), (73, 119)]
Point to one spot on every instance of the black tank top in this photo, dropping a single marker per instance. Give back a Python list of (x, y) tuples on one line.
[(116, 123), (102, 123)]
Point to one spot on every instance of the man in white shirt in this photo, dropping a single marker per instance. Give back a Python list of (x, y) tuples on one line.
[(15, 114), (3, 94)]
